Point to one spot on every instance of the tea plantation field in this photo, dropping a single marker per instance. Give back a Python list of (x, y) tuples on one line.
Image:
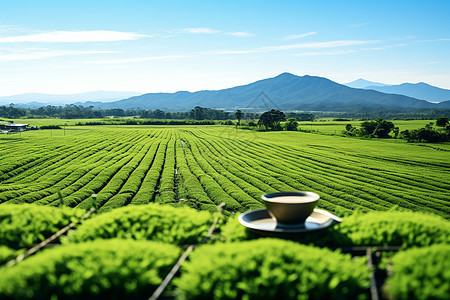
[(205, 165)]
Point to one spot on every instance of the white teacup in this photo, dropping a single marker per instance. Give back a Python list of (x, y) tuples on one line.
[(290, 207)]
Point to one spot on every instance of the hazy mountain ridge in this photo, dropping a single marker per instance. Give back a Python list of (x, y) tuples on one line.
[(419, 90), (40, 99)]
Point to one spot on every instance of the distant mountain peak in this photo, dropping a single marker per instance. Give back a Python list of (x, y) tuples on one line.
[(362, 83), (286, 74)]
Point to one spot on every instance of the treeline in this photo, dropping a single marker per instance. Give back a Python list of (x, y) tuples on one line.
[(81, 112), (200, 113), (428, 134), (415, 114), (380, 128)]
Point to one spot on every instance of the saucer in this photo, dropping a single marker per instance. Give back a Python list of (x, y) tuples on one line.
[(262, 223)]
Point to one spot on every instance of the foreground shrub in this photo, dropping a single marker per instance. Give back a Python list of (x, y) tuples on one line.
[(420, 274), (6, 254), (22, 225), (392, 228), (163, 223), (271, 269), (113, 269)]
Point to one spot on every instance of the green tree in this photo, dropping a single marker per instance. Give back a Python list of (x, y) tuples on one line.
[(348, 127), (159, 114), (239, 114), (291, 124), (351, 131), (198, 113), (379, 128), (405, 134), (368, 127), (427, 134), (442, 122), (271, 119), (396, 132)]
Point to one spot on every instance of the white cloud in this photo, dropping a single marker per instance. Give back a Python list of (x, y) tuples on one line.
[(198, 30), (435, 40), (137, 59), (315, 45), (32, 54), (384, 47), (299, 36), (240, 34), (325, 53), (10, 28), (347, 51), (206, 30), (219, 52), (74, 37)]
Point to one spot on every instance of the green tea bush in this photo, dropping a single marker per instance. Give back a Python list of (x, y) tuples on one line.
[(420, 274), (190, 190), (167, 187), (179, 225), (213, 189), (271, 269), (108, 269), (22, 225), (149, 184), (6, 254), (392, 228)]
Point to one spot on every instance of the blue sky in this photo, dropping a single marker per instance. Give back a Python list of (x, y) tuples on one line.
[(65, 47)]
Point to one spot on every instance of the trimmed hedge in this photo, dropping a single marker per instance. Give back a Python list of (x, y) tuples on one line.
[(271, 269), (420, 274), (178, 225), (113, 269), (22, 225), (392, 228)]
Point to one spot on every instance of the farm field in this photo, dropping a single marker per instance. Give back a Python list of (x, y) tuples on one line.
[(202, 166)]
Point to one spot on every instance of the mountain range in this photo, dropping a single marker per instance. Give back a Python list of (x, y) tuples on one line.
[(285, 91)]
